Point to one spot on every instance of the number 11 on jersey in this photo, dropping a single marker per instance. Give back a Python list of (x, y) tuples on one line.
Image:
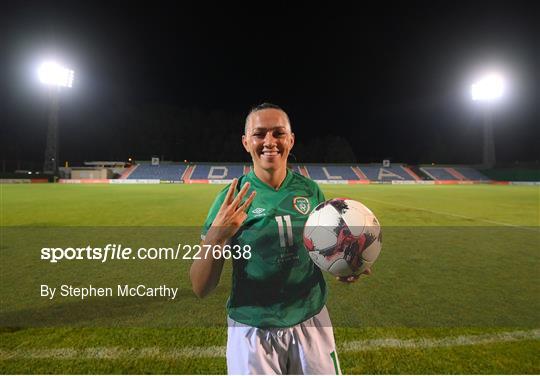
[(288, 240)]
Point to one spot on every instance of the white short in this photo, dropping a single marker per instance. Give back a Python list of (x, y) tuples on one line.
[(306, 348)]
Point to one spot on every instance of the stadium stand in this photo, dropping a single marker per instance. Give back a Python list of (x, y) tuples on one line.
[(166, 172), (471, 174), (378, 173), (439, 173), (203, 172), (217, 172), (299, 169), (318, 172)]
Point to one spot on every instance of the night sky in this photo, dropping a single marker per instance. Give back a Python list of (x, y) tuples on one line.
[(175, 80)]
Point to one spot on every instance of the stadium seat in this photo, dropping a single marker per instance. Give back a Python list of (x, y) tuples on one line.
[(379, 173), (321, 172), (471, 174), (167, 172), (439, 173)]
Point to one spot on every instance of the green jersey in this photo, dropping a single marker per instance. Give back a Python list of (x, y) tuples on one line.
[(279, 285)]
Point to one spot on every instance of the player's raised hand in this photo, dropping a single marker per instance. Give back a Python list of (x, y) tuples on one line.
[(232, 212), (353, 278)]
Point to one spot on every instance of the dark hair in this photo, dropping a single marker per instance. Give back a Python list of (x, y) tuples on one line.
[(264, 106)]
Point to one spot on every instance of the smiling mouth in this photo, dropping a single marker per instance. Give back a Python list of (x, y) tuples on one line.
[(270, 153)]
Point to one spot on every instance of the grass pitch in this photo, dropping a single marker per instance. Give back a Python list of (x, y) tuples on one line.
[(454, 291)]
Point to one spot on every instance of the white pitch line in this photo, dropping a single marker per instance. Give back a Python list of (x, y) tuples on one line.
[(108, 353), (528, 228), (426, 343)]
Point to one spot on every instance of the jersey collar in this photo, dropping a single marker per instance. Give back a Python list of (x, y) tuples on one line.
[(260, 184)]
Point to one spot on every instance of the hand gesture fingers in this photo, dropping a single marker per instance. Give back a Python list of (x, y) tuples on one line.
[(232, 213), (247, 203), (240, 196), (230, 193)]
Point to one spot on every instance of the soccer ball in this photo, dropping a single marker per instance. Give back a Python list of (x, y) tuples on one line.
[(343, 237)]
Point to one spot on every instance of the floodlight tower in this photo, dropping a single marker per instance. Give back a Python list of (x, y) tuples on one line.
[(55, 76), (488, 90)]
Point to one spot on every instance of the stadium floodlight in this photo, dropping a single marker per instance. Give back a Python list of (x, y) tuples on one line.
[(55, 76), (488, 89), (52, 73)]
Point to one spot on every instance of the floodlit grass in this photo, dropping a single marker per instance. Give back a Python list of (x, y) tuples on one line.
[(457, 260), (187, 205)]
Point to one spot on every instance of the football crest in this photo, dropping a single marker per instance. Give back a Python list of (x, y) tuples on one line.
[(301, 204)]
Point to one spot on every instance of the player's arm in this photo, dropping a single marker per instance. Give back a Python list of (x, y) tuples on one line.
[(205, 272)]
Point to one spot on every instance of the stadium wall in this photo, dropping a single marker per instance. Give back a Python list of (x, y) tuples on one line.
[(202, 181), (513, 174), (23, 181)]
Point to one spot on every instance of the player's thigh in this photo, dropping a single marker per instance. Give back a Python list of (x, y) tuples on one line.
[(314, 351), (251, 351)]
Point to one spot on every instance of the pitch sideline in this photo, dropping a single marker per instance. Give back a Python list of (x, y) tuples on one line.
[(111, 353)]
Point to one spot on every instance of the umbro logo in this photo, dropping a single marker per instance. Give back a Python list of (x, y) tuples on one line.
[(258, 211)]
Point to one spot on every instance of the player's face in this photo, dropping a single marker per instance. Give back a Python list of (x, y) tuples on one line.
[(268, 139)]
